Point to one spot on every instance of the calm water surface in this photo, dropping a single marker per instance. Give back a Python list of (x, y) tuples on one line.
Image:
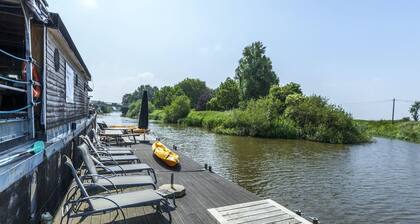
[(369, 183)]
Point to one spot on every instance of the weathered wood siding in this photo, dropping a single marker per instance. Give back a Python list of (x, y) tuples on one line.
[(60, 112)]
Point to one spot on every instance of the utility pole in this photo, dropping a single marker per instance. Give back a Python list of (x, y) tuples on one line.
[(393, 109)]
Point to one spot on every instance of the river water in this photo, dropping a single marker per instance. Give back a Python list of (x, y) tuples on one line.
[(377, 182)]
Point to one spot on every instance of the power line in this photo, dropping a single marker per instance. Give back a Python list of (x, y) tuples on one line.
[(371, 101)]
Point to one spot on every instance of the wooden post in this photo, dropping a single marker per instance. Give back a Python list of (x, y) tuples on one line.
[(393, 110), (172, 180)]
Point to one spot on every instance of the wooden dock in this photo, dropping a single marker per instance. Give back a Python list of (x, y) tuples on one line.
[(204, 190)]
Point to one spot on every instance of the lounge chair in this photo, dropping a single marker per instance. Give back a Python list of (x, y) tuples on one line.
[(115, 181), (114, 152), (100, 204), (106, 157), (97, 142), (120, 168)]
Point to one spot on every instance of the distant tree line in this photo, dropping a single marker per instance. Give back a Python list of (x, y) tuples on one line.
[(251, 103), (103, 107)]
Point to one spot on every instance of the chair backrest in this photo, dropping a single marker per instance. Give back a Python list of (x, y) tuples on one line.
[(90, 145), (87, 159), (102, 125), (79, 183), (96, 137)]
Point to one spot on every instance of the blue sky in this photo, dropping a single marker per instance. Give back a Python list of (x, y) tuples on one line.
[(356, 53)]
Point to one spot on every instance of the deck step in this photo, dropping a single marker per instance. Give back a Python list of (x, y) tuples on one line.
[(262, 211)]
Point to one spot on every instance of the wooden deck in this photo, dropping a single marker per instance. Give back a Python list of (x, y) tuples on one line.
[(204, 190)]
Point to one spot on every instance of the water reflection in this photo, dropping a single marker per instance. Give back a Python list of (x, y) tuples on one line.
[(367, 183)]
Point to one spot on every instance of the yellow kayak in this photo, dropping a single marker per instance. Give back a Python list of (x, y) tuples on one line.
[(132, 128), (165, 154)]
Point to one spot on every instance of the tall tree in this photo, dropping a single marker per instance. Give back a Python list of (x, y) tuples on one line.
[(226, 96), (165, 95), (203, 99), (414, 110), (193, 88), (138, 93), (255, 72)]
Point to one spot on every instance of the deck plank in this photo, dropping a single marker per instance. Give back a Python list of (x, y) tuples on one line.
[(204, 190)]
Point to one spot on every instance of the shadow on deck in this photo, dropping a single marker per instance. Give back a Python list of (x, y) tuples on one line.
[(204, 190)]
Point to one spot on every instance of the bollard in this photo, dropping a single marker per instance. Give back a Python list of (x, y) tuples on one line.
[(298, 212), (315, 221), (172, 180), (205, 166), (210, 169)]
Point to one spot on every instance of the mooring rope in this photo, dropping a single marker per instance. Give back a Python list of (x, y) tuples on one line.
[(20, 109), (13, 56), (15, 81), (10, 6)]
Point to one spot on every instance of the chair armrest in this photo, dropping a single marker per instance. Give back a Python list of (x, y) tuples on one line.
[(101, 177)]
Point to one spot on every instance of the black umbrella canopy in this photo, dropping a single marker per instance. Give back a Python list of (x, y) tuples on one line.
[(144, 112)]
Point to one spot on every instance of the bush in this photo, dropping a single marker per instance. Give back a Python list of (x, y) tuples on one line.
[(310, 118), (320, 121), (206, 119), (226, 97), (134, 109), (106, 109), (404, 130), (179, 108)]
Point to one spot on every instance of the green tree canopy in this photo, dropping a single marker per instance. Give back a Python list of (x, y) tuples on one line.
[(281, 92), (414, 110), (255, 72), (193, 88), (134, 109), (179, 108), (226, 96), (130, 98), (165, 95)]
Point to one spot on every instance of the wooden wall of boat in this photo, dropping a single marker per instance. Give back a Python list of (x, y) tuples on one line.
[(60, 112)]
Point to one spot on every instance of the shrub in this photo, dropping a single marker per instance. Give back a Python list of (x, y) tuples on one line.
[(134, 109), (320, 121), (157, 115), (226, 97), (179, 108)]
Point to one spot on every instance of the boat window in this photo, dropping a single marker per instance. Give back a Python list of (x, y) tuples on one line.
[(56, 60), (69, 84), (76, 79)]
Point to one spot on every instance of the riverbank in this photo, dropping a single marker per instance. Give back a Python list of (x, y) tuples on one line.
[(403, 130), (323, 180), (238, 123), (215, 121)]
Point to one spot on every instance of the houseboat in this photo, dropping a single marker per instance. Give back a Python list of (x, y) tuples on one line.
[(44, 107)]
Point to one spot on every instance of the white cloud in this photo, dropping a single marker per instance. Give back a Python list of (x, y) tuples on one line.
[(89, 3), (218, 47), (145, 78), (213, 49)]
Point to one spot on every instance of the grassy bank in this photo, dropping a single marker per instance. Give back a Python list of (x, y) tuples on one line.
[(226, 123), (236, 122), (404, 130)]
